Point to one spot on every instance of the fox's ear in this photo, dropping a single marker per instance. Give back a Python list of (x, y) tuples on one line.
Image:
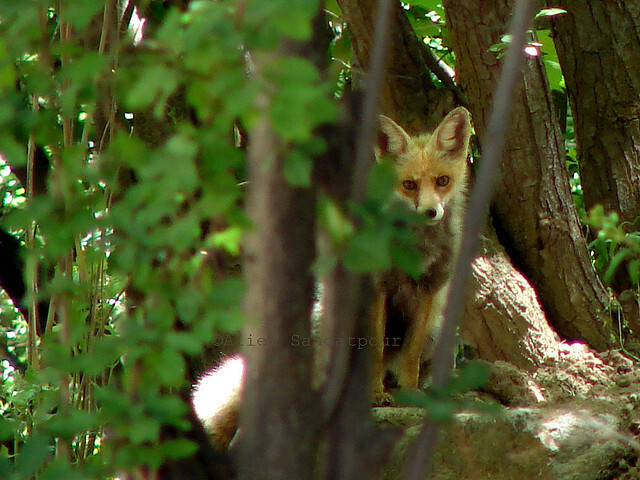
[(392, 139), (453, 134)]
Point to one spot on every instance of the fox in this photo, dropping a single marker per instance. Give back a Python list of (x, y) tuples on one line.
[(432, 179)]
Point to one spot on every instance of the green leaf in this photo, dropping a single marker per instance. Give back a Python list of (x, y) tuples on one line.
[(297, 168), (285, 17), (226, 293), (335, 222), (428, 5), (168, 409), (407, 258), (124, 151), (229, 239), (439, 407), (470, 376), (179, 448), (369, 251), (155, 83), (550, 58), (33, 453), (300, 102), (7, 69), (614, 264), (425, 29), (408, 397), (70, 424), (80, 12), (297, 109), (381, 182), (185, 342), (634, 271), (13, 152), (144, 429)]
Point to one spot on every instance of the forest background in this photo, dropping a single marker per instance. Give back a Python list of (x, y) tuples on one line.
[(142, 142)]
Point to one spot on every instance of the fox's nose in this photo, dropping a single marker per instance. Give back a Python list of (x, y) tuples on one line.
[(434, 214)]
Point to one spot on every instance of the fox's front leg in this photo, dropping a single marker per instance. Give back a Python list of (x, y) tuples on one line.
[(379, 318), (424, 324)]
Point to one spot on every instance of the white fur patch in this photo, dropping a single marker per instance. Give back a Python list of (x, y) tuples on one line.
[(215, 391)]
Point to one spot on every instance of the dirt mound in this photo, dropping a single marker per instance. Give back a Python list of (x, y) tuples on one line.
[(575, 418)]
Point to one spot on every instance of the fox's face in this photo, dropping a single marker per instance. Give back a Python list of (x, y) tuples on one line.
[(431, 169)]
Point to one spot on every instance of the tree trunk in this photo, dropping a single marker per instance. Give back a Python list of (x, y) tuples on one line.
[(279, 412), (532, 207), (279, 418), (598, 46), (409, 96), (503, 318)]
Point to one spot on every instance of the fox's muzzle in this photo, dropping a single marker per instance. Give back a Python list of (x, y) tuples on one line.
[(433, 212)]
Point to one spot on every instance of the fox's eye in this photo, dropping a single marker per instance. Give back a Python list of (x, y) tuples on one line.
[(442, 181), (410, 184)]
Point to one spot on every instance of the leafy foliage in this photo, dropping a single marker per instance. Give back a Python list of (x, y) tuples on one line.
[(442, 404), (613, 246), (131, 247), (130, 251), (132, 230)]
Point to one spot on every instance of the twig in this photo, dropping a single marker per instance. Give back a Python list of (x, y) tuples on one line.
[(373, 87), (494, 142), (435, 66), (364, 159)]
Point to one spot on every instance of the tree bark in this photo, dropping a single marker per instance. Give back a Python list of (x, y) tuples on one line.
[(279, 415), (598, 45), (532, 208), (503, 318), (410, 97)]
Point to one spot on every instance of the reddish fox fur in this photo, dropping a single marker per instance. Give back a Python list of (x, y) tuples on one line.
[(432, 179)]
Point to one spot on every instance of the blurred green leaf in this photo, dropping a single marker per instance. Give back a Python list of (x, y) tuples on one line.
[(633, 268), (614, 263), (297, 169), (550, 58), (369, 251), (154, 83), (80, 12)]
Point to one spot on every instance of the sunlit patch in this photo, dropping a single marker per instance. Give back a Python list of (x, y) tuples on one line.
[(136, 26), (532, 50)]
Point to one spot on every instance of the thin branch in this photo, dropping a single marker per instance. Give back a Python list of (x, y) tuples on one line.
[(435, 65), (373, 88), (365, 136), (494, 143), (32, 264)]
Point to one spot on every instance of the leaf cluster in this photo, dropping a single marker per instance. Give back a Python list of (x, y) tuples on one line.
[(132, 244), (613, 246)]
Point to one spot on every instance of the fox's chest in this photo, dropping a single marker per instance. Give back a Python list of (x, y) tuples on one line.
[(438, 248)]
